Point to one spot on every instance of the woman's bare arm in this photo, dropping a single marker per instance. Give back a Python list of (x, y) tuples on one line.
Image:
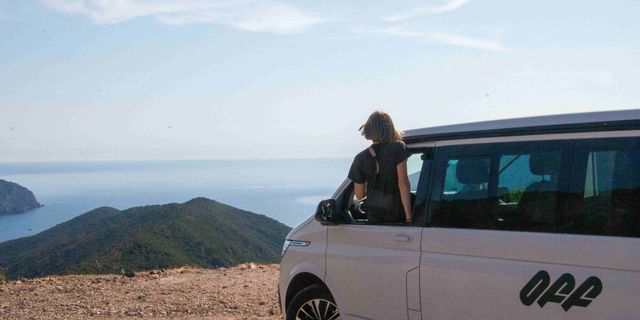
[(405, 190), (359, 190)]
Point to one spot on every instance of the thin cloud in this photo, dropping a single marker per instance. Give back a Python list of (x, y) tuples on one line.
[(275, 18), (416, 12), (438, 37), (271, 17), (594, 78), (464, 41)]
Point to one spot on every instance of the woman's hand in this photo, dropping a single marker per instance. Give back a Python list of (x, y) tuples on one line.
[(359, 189)]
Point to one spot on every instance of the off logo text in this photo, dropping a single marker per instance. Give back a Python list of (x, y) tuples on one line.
[(539, 289)]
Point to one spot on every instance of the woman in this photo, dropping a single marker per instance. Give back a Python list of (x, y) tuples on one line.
[(380, 172)]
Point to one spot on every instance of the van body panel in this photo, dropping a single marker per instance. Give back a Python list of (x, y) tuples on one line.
[(309, 259), (479, 273), (614, 253), (471, 287), (413, 289), (367, 268)]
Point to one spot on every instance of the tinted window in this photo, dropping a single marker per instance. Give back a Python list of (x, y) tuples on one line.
[(609, 177), (582, 187), (528, 190), (511, 186), (464, 197)]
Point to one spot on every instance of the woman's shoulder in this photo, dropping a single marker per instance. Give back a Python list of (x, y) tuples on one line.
[(397, 145), (362, 154), (396, 151), (400, 143)]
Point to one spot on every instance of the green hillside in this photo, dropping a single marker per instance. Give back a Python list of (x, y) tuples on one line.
[(200, 232)]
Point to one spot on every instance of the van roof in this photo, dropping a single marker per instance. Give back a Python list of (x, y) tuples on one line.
[(565, 123)]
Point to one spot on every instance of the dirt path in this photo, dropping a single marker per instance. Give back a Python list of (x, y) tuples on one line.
[(242, 292)]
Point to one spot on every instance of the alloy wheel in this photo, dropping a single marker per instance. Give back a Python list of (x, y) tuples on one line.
[(318, 309)]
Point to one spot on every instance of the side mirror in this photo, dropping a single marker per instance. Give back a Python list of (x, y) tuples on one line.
[(327, 212)]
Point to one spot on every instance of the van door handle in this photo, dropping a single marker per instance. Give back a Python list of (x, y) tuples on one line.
[(401, 238)]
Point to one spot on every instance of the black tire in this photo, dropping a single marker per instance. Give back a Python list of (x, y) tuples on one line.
[(313, 303)]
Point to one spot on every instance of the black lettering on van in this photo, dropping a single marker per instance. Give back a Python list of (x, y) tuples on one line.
[(534, 288), (561, 291), (584, 295)]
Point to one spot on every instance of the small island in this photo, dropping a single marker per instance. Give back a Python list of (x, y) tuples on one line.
[(15, 198)]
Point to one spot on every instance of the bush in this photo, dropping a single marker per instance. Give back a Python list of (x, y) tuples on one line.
[(3, 278)]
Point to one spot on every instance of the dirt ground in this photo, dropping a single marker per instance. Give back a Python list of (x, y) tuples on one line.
[(247, 291)]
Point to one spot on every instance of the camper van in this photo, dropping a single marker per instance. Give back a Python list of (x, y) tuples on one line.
[(532, 218)]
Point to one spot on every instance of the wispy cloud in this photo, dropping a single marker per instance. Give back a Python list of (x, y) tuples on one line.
[(420, 11), (591, 77), (439, 37), (250, 15), (465, 41), (275, 18)]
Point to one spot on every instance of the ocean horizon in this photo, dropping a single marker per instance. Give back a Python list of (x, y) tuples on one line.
[(286, 190)]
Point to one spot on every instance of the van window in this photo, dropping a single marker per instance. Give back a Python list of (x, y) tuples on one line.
[(418, 170), (465, 193), (414, 167), (610, 189), (581, 187), (510, 186), (528, 190)]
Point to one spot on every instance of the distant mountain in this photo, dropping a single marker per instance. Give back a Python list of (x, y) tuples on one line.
[(15, 198), (200, 232)]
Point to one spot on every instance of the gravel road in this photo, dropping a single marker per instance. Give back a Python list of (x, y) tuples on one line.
[(246, 291)]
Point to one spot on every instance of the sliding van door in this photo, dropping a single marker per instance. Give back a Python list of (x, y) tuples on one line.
[(512, 232)]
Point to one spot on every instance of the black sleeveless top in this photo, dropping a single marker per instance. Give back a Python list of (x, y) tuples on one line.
[(383, 195)]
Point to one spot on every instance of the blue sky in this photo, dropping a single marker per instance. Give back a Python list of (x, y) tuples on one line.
[(200, 79)]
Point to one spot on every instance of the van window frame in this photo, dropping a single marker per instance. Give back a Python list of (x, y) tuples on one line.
[(425, 183)]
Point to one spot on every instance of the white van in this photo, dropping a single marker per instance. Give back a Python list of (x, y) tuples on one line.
[(533, 218)]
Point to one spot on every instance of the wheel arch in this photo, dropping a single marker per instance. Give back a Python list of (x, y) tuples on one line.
[(301, 281)]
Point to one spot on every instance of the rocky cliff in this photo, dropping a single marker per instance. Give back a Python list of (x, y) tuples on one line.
[(15, 198)]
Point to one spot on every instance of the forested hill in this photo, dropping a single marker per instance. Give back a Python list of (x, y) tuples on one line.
[(200, 232)]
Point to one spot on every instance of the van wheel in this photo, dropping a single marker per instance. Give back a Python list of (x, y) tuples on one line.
[(313, 303)]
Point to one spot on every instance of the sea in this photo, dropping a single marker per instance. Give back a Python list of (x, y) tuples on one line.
[(287, 190)]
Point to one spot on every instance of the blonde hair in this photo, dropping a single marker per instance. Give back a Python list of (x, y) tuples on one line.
[(379, 128)]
